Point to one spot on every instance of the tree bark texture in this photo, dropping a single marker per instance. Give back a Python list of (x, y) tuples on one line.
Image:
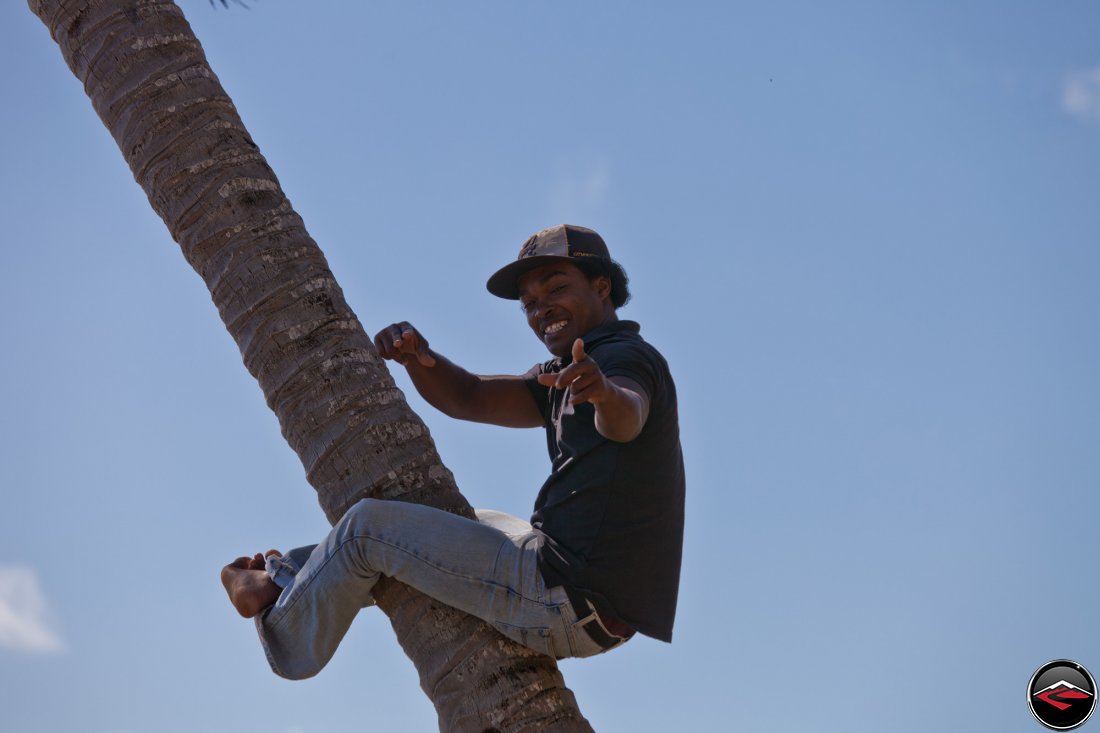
[(338, 407)]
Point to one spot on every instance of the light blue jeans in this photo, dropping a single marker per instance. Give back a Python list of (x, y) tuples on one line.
[(487, 568)]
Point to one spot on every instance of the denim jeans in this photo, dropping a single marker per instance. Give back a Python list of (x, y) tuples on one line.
[(487, 568)]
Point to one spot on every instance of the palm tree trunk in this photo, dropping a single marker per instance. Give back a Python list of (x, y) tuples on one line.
[(339, 409)]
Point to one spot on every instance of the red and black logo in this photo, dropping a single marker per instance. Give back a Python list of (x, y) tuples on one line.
[(1062, 694)]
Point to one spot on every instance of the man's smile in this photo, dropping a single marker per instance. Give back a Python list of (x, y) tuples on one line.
[(553, 327)]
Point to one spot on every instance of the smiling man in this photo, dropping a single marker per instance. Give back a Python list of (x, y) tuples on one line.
[(600, 558)]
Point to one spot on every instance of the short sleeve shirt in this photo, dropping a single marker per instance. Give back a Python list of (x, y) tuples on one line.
[(610, 517)]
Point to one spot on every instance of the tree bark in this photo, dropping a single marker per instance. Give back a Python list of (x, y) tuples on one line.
[(338, 407)]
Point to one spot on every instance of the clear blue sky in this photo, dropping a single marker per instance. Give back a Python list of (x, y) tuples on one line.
[(865, 235)]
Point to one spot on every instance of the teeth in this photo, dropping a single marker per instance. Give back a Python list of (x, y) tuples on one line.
[(553, 328)]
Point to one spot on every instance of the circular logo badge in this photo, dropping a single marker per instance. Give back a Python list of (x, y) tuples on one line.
[(1061, 694)]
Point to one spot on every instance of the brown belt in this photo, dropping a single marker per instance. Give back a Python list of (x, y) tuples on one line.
[(598, 633)]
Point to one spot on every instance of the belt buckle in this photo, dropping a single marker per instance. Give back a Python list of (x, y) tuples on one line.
[(594, 627)]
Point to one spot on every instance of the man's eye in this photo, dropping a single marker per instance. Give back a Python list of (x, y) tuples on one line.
[(557, 288)]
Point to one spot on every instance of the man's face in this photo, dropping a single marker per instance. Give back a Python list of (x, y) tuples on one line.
[(562, 304)]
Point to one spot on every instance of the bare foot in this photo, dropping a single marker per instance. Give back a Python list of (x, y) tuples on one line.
[(250, 589)]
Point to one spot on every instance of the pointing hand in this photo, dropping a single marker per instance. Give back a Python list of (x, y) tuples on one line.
[(583, 377)]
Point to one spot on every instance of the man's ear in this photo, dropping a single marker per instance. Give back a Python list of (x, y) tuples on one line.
[(602, 284)]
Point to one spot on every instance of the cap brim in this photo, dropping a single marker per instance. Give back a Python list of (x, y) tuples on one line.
[(505, 282)]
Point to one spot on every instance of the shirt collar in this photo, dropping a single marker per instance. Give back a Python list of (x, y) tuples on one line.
[(602, 333)]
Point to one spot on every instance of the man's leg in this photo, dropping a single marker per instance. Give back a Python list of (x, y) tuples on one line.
[(487, 568)]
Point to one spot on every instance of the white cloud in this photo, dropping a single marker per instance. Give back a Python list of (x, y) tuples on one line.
[(24, 613), (1081, 94), (578, 190)]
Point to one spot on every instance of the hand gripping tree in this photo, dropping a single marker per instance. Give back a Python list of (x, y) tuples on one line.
[(338, 407)]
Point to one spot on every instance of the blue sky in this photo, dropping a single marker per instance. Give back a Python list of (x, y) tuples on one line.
[(864, 235)]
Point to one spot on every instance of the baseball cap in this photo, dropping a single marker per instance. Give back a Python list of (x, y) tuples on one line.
[(564, 242)]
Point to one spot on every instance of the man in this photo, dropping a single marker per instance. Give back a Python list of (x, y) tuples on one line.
[(600, 559)]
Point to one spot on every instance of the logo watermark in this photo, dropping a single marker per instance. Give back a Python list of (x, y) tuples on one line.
[(1061, 694)]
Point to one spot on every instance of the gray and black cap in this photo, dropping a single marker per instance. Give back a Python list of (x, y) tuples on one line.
[(561, 243)]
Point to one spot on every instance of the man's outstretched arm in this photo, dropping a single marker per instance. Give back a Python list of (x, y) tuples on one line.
[(497, 400)]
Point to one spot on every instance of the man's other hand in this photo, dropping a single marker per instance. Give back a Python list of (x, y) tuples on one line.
[(401, 342)]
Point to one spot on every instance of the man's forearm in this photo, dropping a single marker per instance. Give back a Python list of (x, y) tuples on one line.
[(446, 386), (621, 415), (500, 400)]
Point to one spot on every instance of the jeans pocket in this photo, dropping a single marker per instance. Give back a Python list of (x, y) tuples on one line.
[(536, 638)]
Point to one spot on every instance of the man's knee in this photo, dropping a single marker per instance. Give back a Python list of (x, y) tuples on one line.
[(372, 519), (361, 512), (379, 515)]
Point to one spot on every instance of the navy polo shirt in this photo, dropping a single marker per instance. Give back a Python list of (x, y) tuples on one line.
[(610, 517)]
